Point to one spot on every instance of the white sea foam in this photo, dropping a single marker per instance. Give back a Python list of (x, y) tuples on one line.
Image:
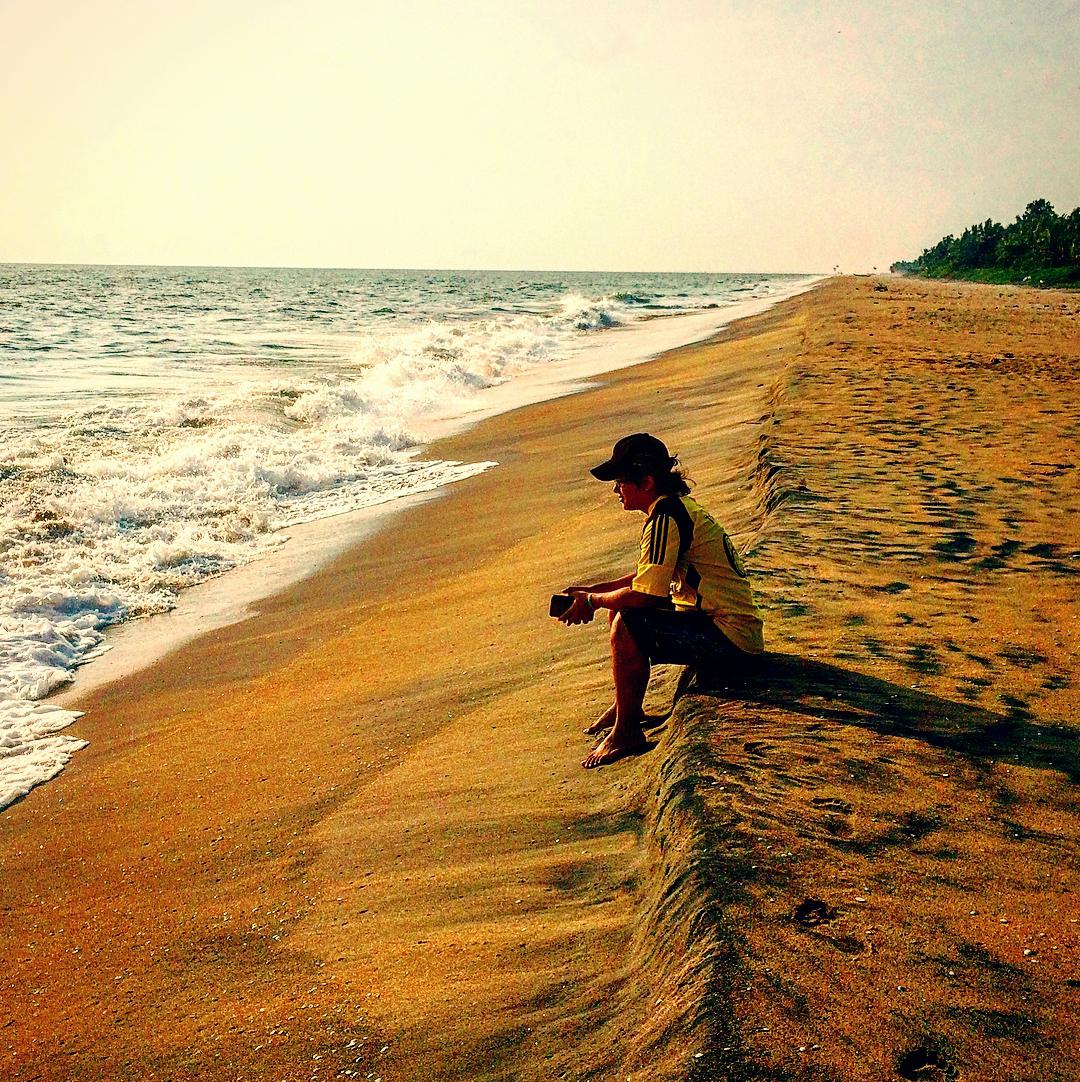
[(108, 510), (107, 518), (109, 515)]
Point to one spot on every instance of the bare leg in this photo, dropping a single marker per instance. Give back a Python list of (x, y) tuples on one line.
[(630, 669), (604, 721), (607, 718)]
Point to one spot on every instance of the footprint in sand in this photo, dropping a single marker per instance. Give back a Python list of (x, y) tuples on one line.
[(831, 803), (813, 911), (891, 588), (1022, 657), (926, 1064), (1016, 708), (836, 823), (921, 657), (1006, 548), (849, 944), (1042, 549), (957, 546)]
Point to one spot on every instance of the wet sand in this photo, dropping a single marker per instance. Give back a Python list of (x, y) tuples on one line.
[(352, 835)]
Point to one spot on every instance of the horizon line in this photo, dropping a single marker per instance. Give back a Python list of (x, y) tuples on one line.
[(314, 266)]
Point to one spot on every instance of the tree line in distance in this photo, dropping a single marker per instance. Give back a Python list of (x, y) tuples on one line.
[(1041, 247)]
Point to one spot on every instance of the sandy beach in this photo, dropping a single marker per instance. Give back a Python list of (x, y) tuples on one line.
[(351, 837)]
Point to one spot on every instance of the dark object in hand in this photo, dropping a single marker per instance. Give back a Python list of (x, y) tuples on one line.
[(560, 603)]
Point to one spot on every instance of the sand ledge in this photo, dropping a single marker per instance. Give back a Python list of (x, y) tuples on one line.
[(885, 884)]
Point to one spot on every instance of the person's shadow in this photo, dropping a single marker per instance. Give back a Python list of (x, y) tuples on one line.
[(829, 693)]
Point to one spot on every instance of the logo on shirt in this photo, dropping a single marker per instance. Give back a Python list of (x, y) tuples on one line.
[(733, 557)]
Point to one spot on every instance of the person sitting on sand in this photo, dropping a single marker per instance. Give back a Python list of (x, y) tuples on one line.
[(688, 602)]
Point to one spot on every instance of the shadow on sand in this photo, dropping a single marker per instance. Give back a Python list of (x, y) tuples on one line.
[(829, 693)]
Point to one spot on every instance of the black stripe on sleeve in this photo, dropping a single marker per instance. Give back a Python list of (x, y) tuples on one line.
[(673, 506), (659, 538)]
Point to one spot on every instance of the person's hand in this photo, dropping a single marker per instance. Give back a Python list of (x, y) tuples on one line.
[(576, 589), (580, 612)]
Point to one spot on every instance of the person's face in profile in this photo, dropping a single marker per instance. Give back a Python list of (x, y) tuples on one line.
[(635, 495)]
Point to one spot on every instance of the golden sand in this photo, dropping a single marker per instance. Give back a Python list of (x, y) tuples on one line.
[(352, 834), (902, 781)]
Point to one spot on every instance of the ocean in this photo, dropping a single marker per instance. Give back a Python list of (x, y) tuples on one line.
[(162, 426)]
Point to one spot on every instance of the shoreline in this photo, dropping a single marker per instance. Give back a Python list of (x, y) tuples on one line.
[(306, 547), (242, 835), (353, 834)]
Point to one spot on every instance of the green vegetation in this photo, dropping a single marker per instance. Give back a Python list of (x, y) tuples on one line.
[(1041, 246)]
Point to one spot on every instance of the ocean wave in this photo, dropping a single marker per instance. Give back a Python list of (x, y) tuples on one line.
[(585, 314), (108, 517), (115, 502), (107, 530)]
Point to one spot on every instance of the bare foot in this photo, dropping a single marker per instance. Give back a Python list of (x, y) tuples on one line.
[(615, 746), (604, 721)]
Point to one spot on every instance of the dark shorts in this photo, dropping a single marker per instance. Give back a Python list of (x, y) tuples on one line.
[(669, 637)]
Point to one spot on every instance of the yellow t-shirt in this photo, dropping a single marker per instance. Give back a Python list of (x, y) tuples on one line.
[(687, 554)]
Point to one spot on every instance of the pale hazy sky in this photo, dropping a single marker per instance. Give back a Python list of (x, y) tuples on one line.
[(654, 135)]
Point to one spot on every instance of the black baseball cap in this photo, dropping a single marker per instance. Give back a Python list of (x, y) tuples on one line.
[(639, 453)]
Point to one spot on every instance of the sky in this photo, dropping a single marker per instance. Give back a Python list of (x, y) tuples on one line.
[(597, 135)]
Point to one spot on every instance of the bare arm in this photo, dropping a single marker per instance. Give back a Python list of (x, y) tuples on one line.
[(623, 597), (657, 559)]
